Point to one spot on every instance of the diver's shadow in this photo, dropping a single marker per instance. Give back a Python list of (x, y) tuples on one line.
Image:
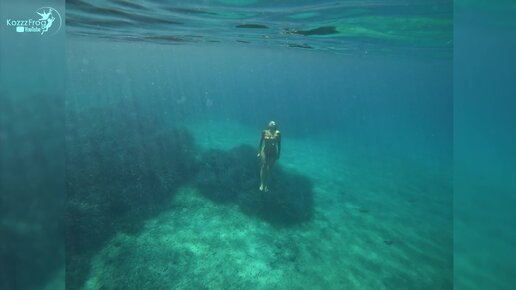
[(233, 176)]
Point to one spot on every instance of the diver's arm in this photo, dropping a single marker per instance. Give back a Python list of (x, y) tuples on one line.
[(279, 144), (260, 146)]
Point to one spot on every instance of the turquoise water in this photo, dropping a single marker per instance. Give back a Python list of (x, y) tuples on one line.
[(164, 121), (162, 111), (32, 165), (381, 187), (394, 26), (131, 137), (484, 178)]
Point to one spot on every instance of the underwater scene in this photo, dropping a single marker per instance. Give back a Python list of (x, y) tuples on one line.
[(177, 180), (484, 145), (226, 144)]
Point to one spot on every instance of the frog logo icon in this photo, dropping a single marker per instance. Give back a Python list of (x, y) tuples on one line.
[(48, 19)]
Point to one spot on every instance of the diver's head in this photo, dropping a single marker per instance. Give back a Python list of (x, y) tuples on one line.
[(272, 125)]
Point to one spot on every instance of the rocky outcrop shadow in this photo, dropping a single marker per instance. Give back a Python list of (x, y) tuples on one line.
[(122, 167), (233, 177)]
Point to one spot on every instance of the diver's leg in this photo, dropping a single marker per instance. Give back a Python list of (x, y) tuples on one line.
[(262, 172), (267, 177), (270, 164), (261, 177)]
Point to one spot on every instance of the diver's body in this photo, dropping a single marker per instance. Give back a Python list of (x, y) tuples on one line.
[(268, 152)]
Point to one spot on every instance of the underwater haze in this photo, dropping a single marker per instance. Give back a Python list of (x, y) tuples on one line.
[(164, 107), (164, 120), (484, 159), (32, 163)]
